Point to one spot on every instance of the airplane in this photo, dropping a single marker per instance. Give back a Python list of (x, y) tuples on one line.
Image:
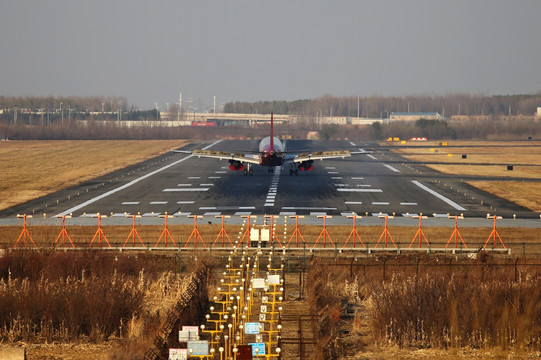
[(271, 153)]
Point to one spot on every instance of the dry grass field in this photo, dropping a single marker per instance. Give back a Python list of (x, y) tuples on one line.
[(31, 169), (494, 158)]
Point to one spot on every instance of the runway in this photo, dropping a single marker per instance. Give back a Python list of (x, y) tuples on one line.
[(372, 185)]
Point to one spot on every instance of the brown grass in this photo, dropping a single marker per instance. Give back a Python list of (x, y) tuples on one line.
[(35, 168), (429, 302), (526, 194), (57, 296)]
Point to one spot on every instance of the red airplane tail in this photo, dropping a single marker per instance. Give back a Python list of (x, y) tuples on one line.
[(272, 132)]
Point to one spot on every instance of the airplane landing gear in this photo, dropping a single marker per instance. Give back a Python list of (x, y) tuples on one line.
[(293, 170), (248, 170)]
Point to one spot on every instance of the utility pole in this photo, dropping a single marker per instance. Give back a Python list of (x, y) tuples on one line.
[(215, 104)]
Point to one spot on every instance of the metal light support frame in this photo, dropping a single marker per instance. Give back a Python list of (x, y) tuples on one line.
[(493, 236), (324, 232), (272, 232), (99, 233), (64, 232), (133, 233), (386, 234), (24, 233), (223, 232), (248, 227), (297, 231), (419, 234), (353, 233), (195, 232), (166, 234), (456, 235)]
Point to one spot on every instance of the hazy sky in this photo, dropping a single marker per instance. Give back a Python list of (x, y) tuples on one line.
[(150, 51)]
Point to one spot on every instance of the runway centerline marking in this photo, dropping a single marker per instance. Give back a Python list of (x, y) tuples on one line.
[(271, 195), (127, 185), (439, 196)]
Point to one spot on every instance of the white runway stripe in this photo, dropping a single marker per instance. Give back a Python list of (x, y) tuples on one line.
[(360, 190), (439, 196), (135, 181), (185, 189), (391, 168)]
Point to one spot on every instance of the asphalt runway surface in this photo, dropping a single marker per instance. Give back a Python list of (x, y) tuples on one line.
[(372, 185)]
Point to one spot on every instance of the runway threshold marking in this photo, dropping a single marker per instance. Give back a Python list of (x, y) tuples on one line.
[(439, 196), (127, 185)]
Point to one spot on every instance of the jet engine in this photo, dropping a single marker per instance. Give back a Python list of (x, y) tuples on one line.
[(236, 165), (306, 165)]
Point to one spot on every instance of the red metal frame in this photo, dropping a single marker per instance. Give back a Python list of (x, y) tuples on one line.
[(24, 233), (165, 233), (456, 235), (223, 232), (195, 232), (133, 233), (297, 231), (64, 233), (493, 236), (324, 232), (386, 234), (353, 233), (419, 234), (99, 233)]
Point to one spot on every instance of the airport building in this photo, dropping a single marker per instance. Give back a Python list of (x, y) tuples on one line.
[(401, 116)]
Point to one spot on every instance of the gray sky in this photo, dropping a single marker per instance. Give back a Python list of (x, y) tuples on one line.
[(149, 51)]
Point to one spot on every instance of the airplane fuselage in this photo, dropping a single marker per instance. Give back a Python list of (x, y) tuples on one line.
[(271, 153)]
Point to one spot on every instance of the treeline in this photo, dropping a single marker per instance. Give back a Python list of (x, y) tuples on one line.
[(487, 128), (78, 103), (492, 128), (114, 130), (48, 117), (382, 107)]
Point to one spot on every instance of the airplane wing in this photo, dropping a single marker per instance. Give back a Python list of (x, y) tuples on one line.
[(226, 155), (321, 155)]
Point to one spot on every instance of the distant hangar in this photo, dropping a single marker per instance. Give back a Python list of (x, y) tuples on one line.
[(408, 116)]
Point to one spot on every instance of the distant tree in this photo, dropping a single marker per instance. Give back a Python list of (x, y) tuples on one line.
[(328, 132), (375, 131)]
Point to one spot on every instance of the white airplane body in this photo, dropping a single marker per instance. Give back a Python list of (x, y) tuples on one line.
[(271, 153)]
